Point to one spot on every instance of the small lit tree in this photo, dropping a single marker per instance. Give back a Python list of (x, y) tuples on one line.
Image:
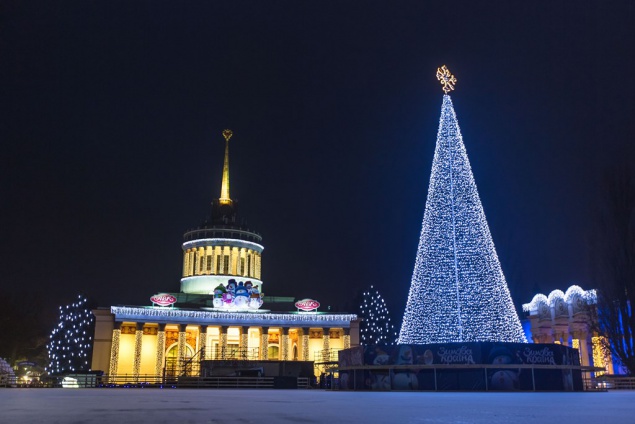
[(71, 344), (376, 327)]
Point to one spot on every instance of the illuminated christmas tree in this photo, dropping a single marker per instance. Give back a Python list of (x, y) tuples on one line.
[(458, 292), (71, 342), (375, 327)]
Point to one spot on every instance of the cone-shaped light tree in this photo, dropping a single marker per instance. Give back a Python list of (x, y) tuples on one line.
[(376, 326), (458, 292)]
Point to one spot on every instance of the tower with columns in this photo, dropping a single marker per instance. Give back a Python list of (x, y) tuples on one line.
[(152, 342), (222, 246)]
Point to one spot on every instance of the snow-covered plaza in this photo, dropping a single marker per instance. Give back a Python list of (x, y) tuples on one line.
[(310, 406)]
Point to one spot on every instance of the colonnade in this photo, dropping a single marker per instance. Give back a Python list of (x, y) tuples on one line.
[(566, 318), (150, 348), (578, 336), (221, 260)]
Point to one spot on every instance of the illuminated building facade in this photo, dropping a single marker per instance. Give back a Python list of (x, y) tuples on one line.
[(218, 314), (566, 318)]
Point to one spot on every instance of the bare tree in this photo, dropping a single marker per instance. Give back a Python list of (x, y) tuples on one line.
[(25, 319), (613, 262)]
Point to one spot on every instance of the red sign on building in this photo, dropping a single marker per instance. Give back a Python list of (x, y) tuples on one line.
[(307, 304), (163, 299)]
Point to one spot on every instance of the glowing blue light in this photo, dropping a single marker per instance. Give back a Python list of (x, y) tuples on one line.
[(458, 292)]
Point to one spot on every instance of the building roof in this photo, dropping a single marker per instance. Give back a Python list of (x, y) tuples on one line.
[(209, 317)]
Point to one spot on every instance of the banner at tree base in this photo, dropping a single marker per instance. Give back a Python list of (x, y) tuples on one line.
[(470, 377)]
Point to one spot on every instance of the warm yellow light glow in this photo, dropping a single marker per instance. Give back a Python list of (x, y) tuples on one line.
[(148, 351), (599, 354), (575, 343), (224, 191), (447, 80), (125, 363)]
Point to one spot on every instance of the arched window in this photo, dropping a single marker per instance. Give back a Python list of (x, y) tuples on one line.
[(172, 365)]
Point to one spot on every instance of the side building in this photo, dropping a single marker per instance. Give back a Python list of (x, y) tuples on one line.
[(569, 318), (218, 322)]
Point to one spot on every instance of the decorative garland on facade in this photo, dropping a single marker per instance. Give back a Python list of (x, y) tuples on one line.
[(169, 314)]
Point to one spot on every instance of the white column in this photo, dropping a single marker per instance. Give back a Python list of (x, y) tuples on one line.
[(138, 339), (284, 343), (158, 367), (202, 341), (181, 347), (305, 343), (222, 341), (264, 343), (347, 338), (244, 342), (326, 353), (114, 350)]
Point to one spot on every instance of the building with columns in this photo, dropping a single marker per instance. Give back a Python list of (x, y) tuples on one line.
[(220, 312), (567, 318)]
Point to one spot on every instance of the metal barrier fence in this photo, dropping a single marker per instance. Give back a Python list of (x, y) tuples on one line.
[(7, 380), (252, 353), (244, 382), (227, 382), (614, 382), (356, 376), (153, 381), (328, 355)]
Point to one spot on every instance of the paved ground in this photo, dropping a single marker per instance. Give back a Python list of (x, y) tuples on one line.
[(310, 406)]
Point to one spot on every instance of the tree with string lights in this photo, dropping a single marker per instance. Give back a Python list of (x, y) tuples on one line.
[(458, 292), (613, 267), (375, 326), (71, 344)]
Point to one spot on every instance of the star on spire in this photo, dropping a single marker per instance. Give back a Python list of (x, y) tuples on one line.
[(447, 80)]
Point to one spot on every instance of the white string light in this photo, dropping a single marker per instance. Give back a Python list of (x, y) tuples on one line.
[(458, 292), (375, 327), (71, 335)]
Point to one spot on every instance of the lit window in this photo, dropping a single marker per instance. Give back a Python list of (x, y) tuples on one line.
[(272, 352)]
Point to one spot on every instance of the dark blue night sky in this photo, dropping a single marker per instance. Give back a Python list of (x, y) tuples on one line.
[(112, 115)]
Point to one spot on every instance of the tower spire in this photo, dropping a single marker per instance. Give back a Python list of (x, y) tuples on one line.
[(224, 190)]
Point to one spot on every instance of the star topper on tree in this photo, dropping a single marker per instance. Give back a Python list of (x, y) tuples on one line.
[(447, 80)]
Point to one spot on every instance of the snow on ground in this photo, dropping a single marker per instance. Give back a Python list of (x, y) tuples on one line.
[(310, 406)]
